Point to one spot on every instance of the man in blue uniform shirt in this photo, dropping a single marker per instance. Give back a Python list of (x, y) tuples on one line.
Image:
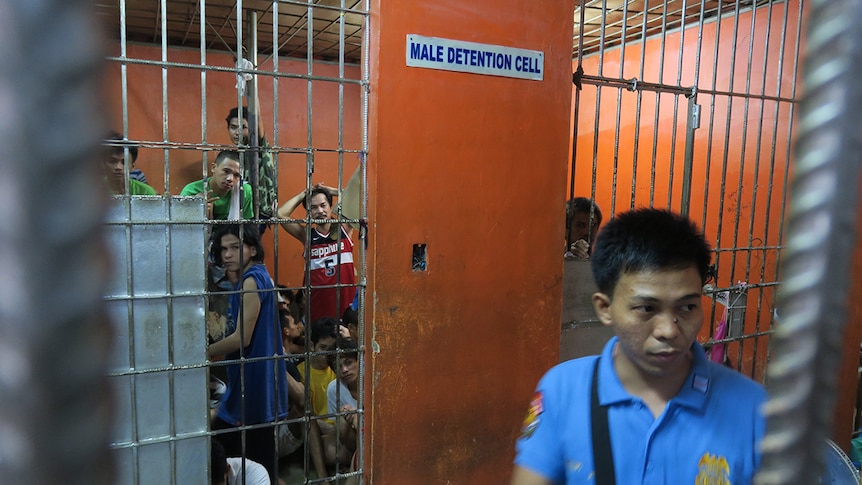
[(662, 412)]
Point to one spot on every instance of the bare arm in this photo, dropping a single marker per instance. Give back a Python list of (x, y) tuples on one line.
[(523, 476), (347, 426), (334, 192), (317, 454), (295, 392), (211, 198), (249, 312), (257, 118), (295, 229)]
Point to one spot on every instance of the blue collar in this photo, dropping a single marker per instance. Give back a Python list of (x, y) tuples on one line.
[(693, 393)]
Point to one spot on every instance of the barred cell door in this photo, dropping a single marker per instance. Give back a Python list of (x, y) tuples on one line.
[(175, 71), (689, 106)]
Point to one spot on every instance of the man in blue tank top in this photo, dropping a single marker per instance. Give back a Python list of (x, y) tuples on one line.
[(257, 390)]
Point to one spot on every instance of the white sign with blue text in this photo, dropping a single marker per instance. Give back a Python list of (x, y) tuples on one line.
[(460, 56)]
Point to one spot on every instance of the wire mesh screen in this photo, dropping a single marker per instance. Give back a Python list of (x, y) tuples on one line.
[(689, 106), (183, 168)]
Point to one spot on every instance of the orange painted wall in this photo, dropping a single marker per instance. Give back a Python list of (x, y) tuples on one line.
[(738, 186), (186, 126), (474, 167)]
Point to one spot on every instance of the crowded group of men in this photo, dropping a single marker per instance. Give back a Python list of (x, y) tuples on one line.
[(650, 409), (288, 358)]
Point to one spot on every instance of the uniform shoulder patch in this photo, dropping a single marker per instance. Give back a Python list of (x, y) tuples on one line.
[(531, 420)]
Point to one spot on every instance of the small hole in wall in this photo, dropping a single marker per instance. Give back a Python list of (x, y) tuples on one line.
[(420, 257)]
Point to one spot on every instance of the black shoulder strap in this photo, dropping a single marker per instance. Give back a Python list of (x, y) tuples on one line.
[(603, 456)]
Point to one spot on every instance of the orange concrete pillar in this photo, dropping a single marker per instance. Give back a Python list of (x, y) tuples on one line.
[(473, 166)]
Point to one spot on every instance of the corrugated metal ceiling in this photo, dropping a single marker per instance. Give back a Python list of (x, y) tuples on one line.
[(181, 24), (605, 22)]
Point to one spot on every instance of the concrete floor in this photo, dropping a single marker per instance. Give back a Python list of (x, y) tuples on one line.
[(290, 470)]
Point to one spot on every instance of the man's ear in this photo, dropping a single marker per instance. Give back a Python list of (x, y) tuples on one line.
[(602, 306), (213, 168)]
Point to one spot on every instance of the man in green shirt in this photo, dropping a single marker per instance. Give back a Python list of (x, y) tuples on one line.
[(218, 189), (114, 167)]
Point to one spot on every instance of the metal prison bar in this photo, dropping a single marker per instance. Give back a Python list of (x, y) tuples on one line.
[(156, 231), (820, 241), (54, 406)]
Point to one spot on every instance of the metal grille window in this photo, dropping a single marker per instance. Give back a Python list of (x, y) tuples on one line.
[(300, 68), (689, 106)]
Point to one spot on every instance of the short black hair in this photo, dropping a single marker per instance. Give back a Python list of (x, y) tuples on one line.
[(283, 316), (285, 292), (582, 205), (250, 237), (228, 155), (648, 239), (349, 348), (315, 191), (114, 139), (350, 316), (218, 462), (234, 113), (324, 328)]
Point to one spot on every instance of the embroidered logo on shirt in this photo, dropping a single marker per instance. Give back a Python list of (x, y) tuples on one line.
[(712, 470), (531, 420)]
